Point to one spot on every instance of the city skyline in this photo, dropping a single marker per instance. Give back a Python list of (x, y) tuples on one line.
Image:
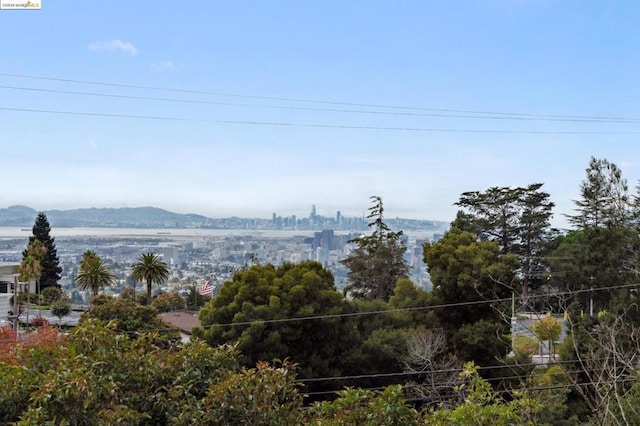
[(243, 109), (150, 216)]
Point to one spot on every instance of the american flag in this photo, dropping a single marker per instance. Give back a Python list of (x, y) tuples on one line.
[(206, 289)]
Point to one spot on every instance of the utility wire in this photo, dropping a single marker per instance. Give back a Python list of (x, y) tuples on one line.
[(298, 108), (314, 125), (429, 372), (417, 308), (440, 371), (533, 375), (453, 396), (385, 311), (316, 101)]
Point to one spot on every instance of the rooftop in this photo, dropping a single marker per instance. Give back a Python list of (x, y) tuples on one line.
[(184, 321)]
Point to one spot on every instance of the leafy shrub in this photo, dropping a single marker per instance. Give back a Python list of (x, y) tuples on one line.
[(525, 345), (51, 294), (169, 302)]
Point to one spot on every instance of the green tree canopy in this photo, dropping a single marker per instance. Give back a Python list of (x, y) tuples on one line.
[(463, 271), (194, 299), (29, 269), (169, 302), (51, 294), (129, 317), (548, 328), (594, 258), (150, 269), (519, 220), (604, 197), (93, 273), (377, 261), (60, 308), (258, 306)]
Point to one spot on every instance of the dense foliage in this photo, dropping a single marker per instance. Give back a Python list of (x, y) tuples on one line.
[(258, 307), (100, 376), (280, 345), (168, 302), (130, 318)]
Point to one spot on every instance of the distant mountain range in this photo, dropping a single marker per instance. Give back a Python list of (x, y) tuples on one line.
[(125, 217), (153, 217)]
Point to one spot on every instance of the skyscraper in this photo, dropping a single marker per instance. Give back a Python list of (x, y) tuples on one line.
[(312, 216), (327, 239)]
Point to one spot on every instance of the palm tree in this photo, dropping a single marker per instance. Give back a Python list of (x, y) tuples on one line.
[(93, 273), (150, 269), (29, 269), (88, 254)]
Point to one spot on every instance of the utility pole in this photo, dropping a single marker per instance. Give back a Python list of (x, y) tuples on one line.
[(16, 306), (195, 298), (28, 303), (591, 297)]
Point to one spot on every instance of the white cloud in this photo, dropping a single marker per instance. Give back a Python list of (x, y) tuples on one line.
[(163, 65), (114, 45)]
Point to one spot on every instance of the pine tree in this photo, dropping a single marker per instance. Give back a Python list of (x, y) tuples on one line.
[(50, 263), (518, 219), (605, 197), (377, 262), (495, 214)]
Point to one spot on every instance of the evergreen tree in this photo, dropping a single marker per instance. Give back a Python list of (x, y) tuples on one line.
[(50, 263), (253, 303), (535, 233), (466, 271), (377, 262), (518, 219), (605, 197), (495, 213)]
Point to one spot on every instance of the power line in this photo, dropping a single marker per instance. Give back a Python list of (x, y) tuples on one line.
[(430, 372), (440, 371), (489, 379), (316, 101), (298, 108), (418, 308), (313, 125), (387, 311)]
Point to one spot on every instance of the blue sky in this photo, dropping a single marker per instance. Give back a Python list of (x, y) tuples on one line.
[(569, 58)]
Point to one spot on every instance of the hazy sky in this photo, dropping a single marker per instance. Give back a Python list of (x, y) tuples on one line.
[(378, 98)]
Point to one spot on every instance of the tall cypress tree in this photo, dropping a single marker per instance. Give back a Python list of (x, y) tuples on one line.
[(518, 219), (377, 261), (50, 263)]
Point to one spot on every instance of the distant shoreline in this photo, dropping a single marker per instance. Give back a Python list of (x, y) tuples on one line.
[(105, 232)]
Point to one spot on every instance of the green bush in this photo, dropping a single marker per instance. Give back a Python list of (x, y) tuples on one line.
[(525, 345), (51, 294), (169, 302)]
